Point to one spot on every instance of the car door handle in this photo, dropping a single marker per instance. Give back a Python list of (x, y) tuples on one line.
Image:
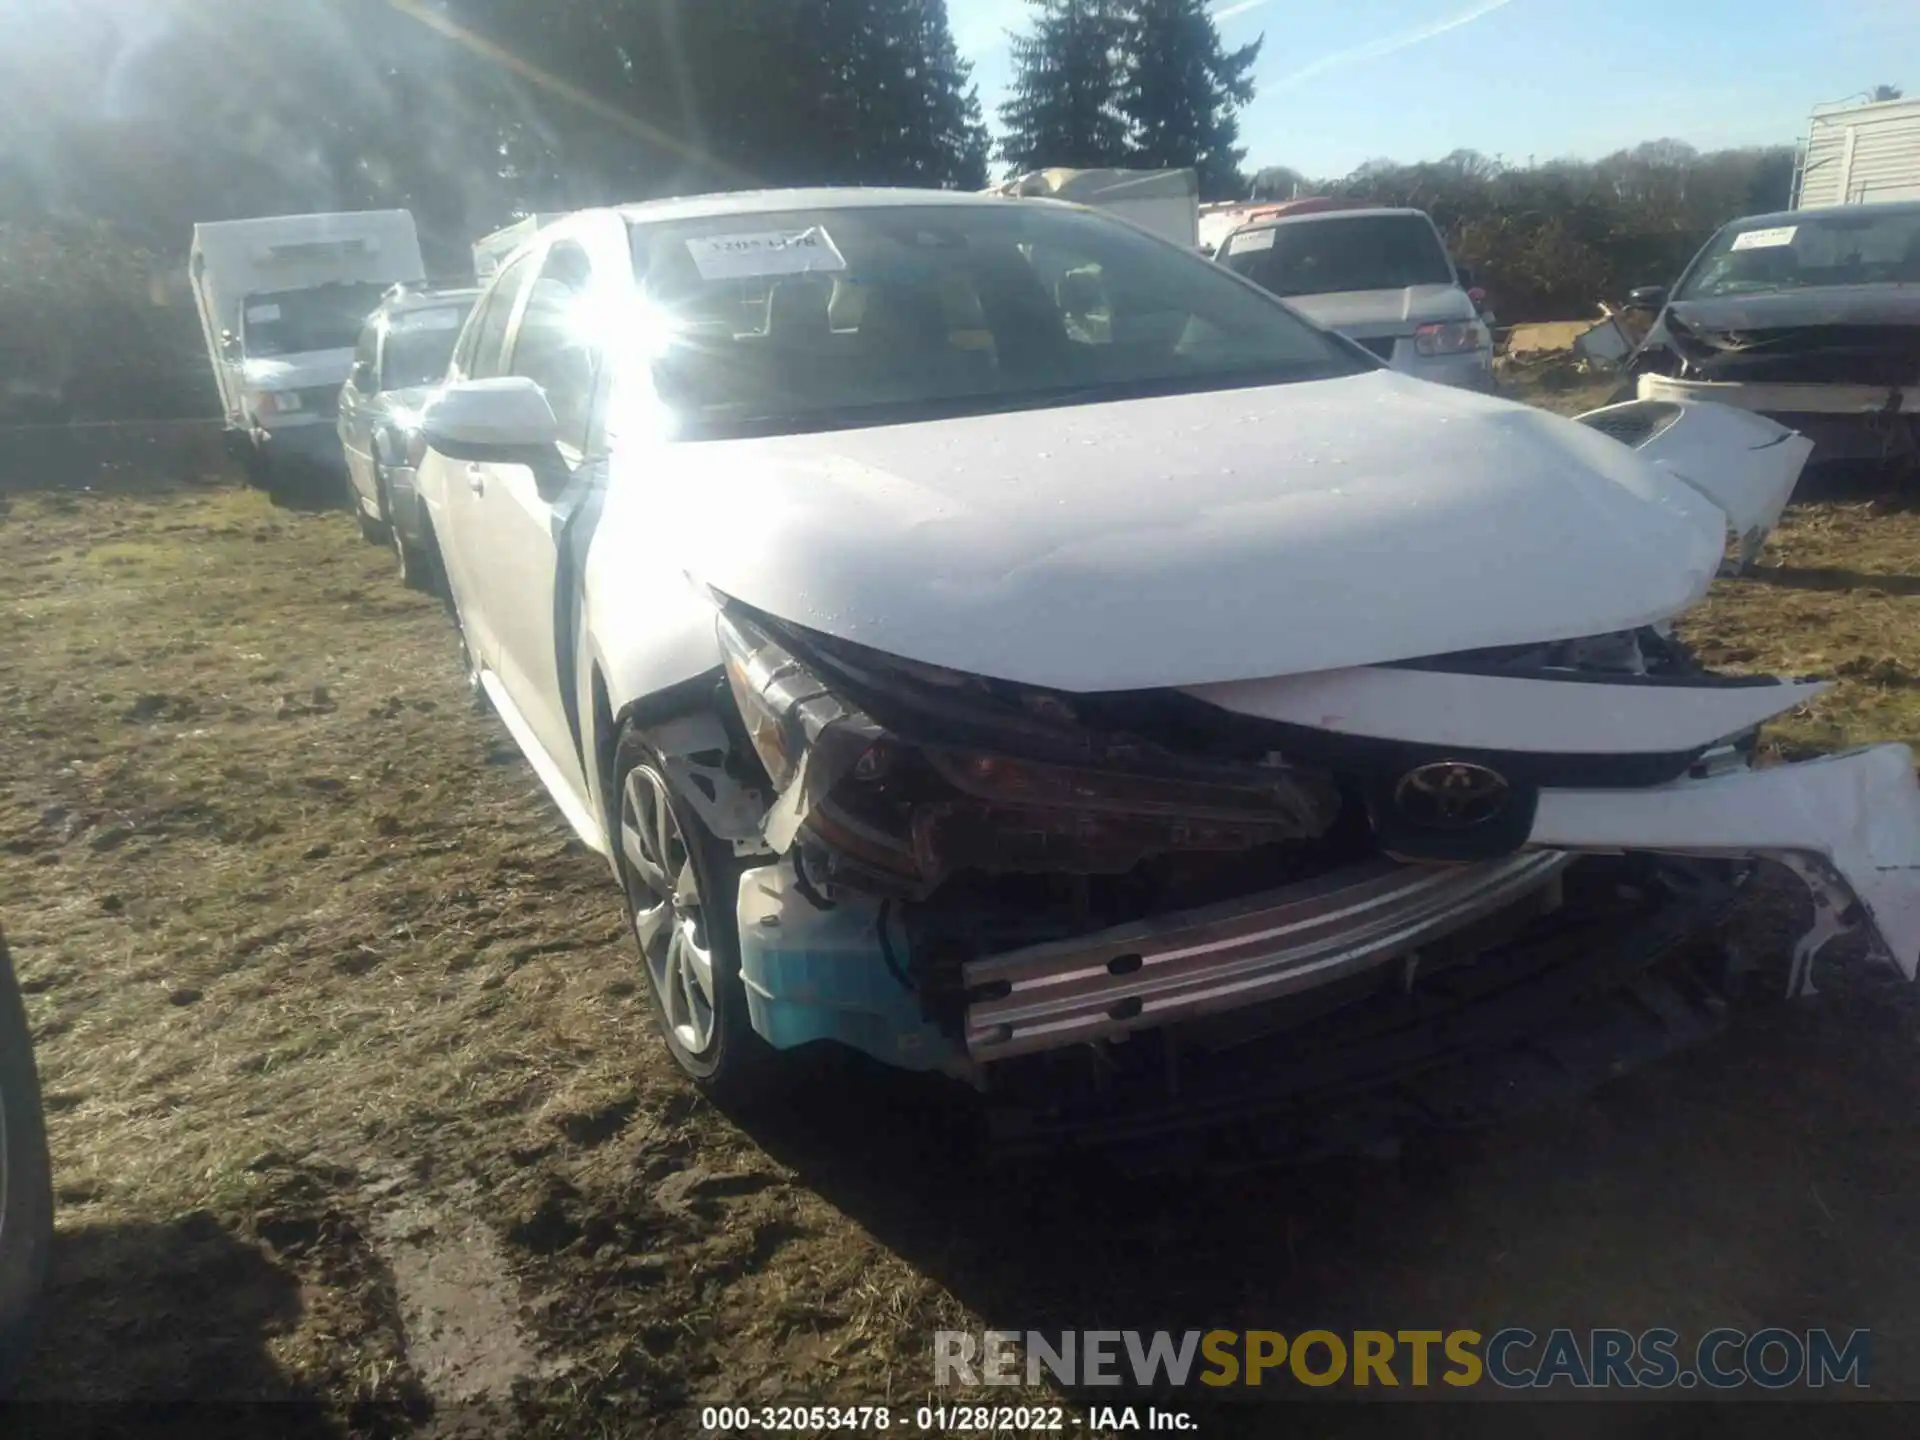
[(476, 480)]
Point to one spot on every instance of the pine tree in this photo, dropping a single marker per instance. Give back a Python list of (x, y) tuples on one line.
[(728, 93), (1068, 74), (952, 131), (921, 118), (1181, 90)]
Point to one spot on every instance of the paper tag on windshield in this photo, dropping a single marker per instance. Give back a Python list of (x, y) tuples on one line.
[(764, 252), (431, 320), (1764, 239), (1250, 240), (264, 314)]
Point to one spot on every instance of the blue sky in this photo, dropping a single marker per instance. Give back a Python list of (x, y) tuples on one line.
[(1412, 79)]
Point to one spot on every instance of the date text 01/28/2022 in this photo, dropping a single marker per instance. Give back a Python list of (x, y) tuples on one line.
[(932, 1419)]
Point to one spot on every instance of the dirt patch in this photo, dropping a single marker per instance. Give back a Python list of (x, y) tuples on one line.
[(356, 1098), (458, 1300)]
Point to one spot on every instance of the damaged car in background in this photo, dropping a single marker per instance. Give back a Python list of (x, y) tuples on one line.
[(1172, 720), (1811, 317)]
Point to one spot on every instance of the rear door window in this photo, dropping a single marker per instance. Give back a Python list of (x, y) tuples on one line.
[(485, 339)]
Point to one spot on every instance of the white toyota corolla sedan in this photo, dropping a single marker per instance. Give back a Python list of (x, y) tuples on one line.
[(987, 636)]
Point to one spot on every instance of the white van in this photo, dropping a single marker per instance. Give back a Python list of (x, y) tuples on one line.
[(282, 299)]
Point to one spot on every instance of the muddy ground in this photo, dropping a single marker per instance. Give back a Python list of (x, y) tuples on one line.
[(355, 1098)]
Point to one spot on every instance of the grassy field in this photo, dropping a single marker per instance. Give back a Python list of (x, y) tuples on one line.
[(355, 1098)]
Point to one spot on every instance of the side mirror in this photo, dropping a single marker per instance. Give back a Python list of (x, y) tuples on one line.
[(507, 421), (229, 345), (362, 378), (1466, 278), (1646, 297)]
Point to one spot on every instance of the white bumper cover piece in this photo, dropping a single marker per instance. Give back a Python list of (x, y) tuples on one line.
[(1744, 463), (1848, 824), (1780, 397)]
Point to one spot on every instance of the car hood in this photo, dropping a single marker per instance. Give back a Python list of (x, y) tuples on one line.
[(1382, 311), (297, 372), (1190, 539), (1826, 305)]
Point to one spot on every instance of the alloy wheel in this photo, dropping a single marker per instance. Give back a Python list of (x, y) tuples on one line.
[(669, 918)]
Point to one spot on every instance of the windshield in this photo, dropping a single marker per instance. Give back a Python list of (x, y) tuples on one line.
[(294, 322), (807, 318), (419, 345), (1755, 258), (1325, 257)]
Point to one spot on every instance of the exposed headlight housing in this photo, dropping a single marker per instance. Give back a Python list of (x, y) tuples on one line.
[(789, 712), (896, 812), (1453, 337)]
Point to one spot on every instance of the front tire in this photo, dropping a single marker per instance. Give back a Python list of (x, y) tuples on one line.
[(373, 528), (416, 565), (26, 1178), (680, 883)]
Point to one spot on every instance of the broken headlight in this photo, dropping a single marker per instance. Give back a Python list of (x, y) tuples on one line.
[(789, 713), (900, 811)]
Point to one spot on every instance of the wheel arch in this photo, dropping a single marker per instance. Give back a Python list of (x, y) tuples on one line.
[(693, 727)]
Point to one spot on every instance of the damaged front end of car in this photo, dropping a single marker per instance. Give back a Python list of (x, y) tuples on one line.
[(1844, 373), (1120, 913)]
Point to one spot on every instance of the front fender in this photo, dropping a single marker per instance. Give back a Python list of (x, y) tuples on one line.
[(648, 632), (642, 634)]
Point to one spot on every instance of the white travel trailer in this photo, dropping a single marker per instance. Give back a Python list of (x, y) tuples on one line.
[(281, 300)]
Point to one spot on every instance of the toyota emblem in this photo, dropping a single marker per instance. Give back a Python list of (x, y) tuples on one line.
[(1451, 794)]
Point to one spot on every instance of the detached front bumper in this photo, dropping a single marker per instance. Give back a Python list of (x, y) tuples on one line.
[(1848, 824)]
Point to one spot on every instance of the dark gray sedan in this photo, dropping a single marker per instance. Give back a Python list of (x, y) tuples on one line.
[(399, 362)]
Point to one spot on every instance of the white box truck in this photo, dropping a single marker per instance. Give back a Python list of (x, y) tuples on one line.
[(282, 299), (1167, 202)]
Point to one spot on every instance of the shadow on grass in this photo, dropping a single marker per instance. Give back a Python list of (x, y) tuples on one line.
[(1617, 1210), (145, 458), (1893, 486), (150, 459), (1800, 577), (143, 1323)]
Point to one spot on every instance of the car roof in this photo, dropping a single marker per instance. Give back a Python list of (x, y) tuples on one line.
[(1267, 222), (1828, 212), (429, 299)]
